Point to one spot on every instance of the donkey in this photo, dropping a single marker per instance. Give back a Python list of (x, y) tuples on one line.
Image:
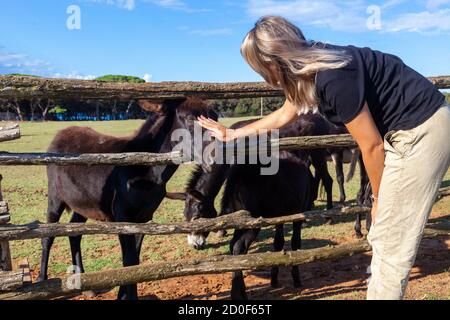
[(340, 156), (312, 124), (116, 193), (203, 187), (288, 192)]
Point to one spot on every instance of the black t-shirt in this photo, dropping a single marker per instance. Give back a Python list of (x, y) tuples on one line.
[(398, 97)]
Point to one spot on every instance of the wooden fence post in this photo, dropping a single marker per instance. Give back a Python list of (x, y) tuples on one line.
[(5, 254)]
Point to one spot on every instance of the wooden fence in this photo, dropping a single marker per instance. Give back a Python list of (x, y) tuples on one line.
[(13, 284)]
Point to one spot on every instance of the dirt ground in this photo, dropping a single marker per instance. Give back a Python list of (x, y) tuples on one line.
[(342, 279)]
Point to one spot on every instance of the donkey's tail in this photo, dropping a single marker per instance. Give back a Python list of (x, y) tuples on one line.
[(353, 163)]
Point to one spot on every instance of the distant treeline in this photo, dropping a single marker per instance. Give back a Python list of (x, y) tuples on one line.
[(68, 110)]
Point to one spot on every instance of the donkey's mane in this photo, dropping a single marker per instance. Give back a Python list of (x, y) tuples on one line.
[(193, 179), (150, 124), (195, 103)]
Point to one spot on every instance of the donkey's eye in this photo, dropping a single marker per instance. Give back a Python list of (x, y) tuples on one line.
[(190, 118)]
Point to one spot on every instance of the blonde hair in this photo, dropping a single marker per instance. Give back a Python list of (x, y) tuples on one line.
[(277, 50)]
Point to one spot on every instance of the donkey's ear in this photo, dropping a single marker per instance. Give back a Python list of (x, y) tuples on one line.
[(197, 195), (152, 106), (176, 196)]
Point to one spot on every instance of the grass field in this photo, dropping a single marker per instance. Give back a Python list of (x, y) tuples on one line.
[(25, 188)]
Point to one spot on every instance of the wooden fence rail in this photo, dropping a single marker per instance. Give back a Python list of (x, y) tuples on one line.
[(31, 87), (237, 220), (75, 284), (125, 159)]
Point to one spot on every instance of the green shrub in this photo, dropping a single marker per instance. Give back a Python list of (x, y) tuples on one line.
[(120, 79)]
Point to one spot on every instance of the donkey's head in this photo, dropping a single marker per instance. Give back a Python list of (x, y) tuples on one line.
[(197, 206), (186, 134)]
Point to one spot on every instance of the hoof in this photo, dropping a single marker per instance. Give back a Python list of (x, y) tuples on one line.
[(274, 283), (359, 235), (90, 294), (297, 284), (240, 296)]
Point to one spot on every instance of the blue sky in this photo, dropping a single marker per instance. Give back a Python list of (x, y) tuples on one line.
[(199, 40)]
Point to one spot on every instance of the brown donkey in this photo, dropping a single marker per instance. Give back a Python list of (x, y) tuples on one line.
[(116, 193)]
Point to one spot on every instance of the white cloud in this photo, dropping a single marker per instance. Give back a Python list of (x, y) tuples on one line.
[(147, 77), (344, 16), (392, 3), (122, 4), (435, 4), (176, 5), (425, 22), (21, 63), (74, 75), (351, 15)]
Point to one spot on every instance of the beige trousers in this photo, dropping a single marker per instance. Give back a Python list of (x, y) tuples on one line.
[(416, 162)]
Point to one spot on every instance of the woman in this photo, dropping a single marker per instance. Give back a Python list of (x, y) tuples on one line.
[(375, 95)]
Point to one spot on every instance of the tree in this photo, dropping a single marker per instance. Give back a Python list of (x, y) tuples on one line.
[(44, 107), (120, 79), (22, 75)]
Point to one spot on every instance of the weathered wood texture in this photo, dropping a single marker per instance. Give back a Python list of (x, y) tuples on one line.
[(5, 256), (10, 132), (23, 265), (116, 159), (31, 87), (5, 253), (76, 284), (317, 142), (237, 220), (11, 280), (444, 192), (125, 159)]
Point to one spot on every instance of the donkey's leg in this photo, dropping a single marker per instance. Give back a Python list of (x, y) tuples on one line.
[(338, 160), (361, 197), (75, 244), (139, 240), (319, 162), (130, 258), (242, 239), (296, 244), (358, 232), (54, 211), (363, 184), (278, 245), (75, 248)]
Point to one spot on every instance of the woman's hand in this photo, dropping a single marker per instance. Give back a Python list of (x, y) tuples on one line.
[(218, 130), (277, 119)]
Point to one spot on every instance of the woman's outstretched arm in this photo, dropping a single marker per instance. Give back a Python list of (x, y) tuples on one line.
[(366, 134), (278, 119)]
